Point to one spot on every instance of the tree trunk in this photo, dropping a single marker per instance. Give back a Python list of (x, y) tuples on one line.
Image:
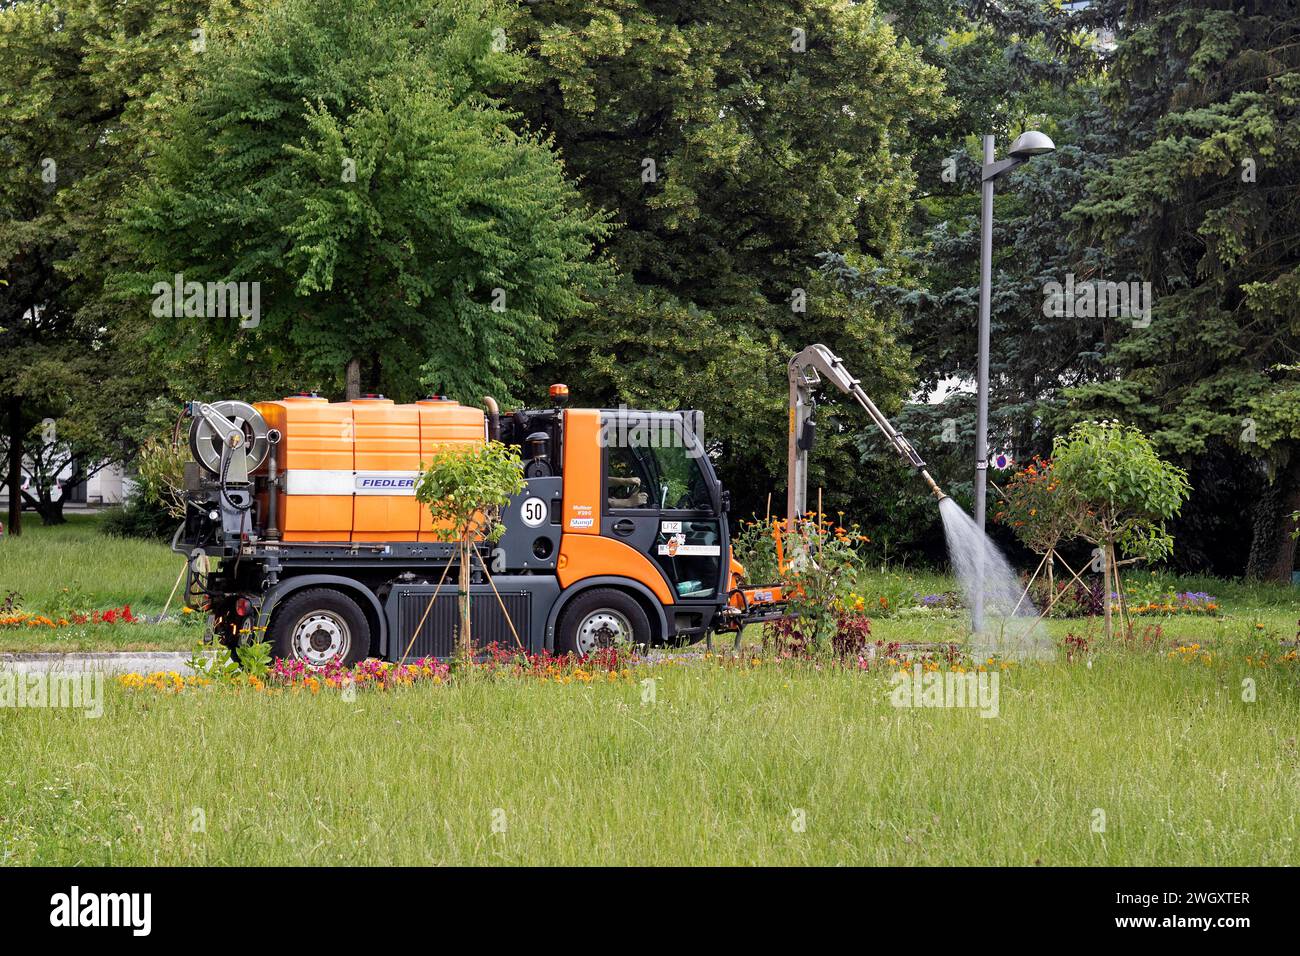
[(1272, 552), (51, 511), (15, 524), (466, 640), (1105, 588), (352, 380)]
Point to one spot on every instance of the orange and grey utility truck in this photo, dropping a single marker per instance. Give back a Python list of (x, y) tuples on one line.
[(307, 509), (302, 524)]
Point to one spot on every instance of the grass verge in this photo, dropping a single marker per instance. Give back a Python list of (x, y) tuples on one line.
[(1140, 758)]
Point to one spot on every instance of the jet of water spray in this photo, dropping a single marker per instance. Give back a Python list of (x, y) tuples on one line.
[(986, 577)]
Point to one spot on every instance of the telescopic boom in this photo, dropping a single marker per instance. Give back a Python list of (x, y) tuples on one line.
[(807, 370)]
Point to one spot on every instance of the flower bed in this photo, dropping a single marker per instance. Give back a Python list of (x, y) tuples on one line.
[(293, 675), (114, 615), (1184, 602)]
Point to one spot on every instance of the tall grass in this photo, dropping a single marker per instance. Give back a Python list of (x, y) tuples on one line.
[(1138, 759)]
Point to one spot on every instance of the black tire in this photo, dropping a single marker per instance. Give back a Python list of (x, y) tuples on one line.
[(341, 630), (602, 617)]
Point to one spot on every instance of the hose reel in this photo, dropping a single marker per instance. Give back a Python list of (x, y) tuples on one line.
[(228, 439)]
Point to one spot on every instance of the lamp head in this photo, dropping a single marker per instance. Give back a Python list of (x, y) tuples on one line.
[(1031, 143)]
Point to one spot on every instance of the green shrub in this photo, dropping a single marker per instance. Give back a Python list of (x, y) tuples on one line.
[(138, 519)]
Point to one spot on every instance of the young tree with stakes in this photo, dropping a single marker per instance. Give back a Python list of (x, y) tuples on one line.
[(1126, 493), (465, 489)]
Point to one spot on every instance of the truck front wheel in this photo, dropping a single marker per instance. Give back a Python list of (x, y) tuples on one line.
[(601, 618), (320, 626)]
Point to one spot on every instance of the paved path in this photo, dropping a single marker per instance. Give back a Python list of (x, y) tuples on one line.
[(111, 662)]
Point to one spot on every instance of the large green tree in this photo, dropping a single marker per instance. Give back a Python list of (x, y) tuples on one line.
[(1009, 67), (78, 79), (732, 142), (1199, 199), (345, 156)]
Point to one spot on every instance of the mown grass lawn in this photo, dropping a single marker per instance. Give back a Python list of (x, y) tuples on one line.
[(1138, 759), (72, 567), (1151, 755)]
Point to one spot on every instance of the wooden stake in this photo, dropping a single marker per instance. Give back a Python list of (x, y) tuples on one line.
[(414, 634), (1030, 584), (488, 574), (168, 605)]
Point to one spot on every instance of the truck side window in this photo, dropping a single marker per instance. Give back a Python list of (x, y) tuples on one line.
[(667, 478), (681, 484), (629, 480)]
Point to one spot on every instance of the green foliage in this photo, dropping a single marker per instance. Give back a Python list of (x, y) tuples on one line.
[(1193, 197), (465, 489), (156, 504), (347, 156), (753, 544), (1126, 492), (160, 474), (78, 83), (216, 663), (763, 157), (138, 518), (1007, 67), (255, 658), (213, 662), (823, 562)]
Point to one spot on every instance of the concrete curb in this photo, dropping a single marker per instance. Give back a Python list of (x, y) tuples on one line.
[(110, 662)]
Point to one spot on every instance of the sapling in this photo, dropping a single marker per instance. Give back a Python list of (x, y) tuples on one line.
[(1125, 493), (465, 488)]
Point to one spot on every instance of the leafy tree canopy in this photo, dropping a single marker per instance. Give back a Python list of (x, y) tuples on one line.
[(732, 142), (392, 218)]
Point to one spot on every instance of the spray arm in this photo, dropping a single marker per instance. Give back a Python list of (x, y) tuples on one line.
[(807, 369)]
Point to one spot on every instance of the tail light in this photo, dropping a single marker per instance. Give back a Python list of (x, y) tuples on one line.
[(243, 607)]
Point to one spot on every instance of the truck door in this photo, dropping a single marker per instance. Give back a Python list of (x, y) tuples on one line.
[(660, 496)]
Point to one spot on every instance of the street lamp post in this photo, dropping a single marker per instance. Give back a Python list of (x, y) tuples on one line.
[(1026, 146)]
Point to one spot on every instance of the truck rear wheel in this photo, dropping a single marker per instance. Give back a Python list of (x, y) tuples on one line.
[(601, 618), (320, 626)]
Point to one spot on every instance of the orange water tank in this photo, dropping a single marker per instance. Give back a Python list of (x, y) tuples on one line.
[(315, 456), (442, 423), (387, 457), (349, 468)]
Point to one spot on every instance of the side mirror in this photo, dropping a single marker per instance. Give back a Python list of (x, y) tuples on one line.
[(726, 501)]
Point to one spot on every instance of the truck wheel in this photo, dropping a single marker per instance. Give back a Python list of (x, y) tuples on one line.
[(320, 626), (601, 618)]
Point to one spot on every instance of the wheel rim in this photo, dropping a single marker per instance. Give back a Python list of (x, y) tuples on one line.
[(321, 637), (603, 628)]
